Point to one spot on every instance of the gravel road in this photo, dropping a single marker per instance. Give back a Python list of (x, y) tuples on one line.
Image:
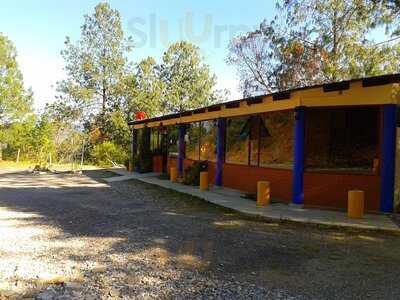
[(75, 237)]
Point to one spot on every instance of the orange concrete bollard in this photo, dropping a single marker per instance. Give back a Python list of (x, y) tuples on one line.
[(203, 181), (263, 193), (355, 205), (174, 174)]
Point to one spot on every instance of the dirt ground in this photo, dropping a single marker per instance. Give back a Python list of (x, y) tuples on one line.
[(131, 240)]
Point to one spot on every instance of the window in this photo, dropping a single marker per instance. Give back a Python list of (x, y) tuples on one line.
[(155, 140), (201, 141), (342, 138), (173, 138), (139, 133), (192, 141), (276, 139), (237, 141), (261, 140), (254, 134), (254, 152), (208, 141)]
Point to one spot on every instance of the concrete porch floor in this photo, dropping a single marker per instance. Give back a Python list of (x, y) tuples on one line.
[(233, 199)]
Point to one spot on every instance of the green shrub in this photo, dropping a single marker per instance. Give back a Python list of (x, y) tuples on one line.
[(107, 152), (192, 173)]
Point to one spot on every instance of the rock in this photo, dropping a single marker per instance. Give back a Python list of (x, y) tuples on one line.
[(73, 286), (99, 269), (91, 297), (114, 292), (31, 294), (48, 294)]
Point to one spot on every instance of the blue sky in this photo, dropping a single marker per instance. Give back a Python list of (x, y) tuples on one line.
[(39, 28)]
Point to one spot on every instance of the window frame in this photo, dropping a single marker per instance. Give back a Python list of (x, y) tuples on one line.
[(201, 135), (202, 130), (356, 170), (258, 146), (247, 164), (198, 146)]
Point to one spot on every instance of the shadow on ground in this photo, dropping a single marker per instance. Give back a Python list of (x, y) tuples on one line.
[(129, 238)]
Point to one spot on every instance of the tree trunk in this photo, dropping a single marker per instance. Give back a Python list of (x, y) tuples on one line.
[(335, 46), (104, 83), (104, 100)]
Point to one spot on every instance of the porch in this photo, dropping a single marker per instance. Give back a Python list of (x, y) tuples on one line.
[(313, 144), (233, 199)]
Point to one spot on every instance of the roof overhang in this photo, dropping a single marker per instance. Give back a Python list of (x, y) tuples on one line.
[(367, 91)]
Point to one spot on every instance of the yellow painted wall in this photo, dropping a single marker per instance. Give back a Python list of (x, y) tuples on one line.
[(313, 97)]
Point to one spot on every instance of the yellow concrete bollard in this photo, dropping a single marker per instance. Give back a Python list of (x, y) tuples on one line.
[(203, 181), (130, 167), (263, 193), (174, 174), (355, 205)]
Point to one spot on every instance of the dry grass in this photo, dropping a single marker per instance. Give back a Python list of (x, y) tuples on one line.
[(12, 164), (5, 164)]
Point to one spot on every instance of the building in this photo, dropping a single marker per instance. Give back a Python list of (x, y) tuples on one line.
[(313, 144)]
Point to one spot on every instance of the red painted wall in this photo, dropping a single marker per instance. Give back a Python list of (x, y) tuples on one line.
[(212, 171), (157, 163), (321, 189), (245, 178), (330, 189)]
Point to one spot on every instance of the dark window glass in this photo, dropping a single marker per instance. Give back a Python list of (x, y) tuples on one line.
[(155, 140), (254, 152), (254, 134), (237, 141), (192, 141), (173, 136), (208, 146), (138, 139), (276, 139), (342, 138)]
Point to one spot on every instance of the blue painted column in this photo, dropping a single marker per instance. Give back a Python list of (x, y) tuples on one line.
[(299, 158), (221, 124), (181, 150), (388, 157)]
